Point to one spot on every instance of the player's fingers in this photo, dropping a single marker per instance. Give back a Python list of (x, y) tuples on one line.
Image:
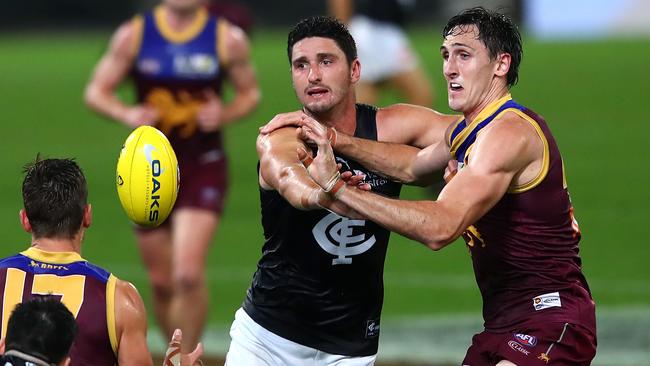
[(196, 354), (364, 186), (282, 120), (339, 166)]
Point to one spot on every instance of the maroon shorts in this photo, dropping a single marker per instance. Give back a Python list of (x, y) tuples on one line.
[(549, 344), (204, 184)]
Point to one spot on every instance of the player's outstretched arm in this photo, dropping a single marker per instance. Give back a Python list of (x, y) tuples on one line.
[(499, 155), (411, 148), (109, 72), (131, 326)]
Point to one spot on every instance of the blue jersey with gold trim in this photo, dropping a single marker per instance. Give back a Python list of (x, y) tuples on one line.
[(175, 70), (87, 290)]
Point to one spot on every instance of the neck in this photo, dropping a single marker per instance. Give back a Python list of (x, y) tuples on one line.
[(492, 95), (343, 117), (179, 18), (58, 245)]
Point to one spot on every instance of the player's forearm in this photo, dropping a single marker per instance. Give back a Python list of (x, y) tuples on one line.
[(422, 221), (242, 105), (105, 103), (392, 160)]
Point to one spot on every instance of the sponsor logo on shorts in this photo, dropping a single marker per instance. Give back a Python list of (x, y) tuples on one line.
[(526, 340), (550, 300), (518, 347), (372, 328)]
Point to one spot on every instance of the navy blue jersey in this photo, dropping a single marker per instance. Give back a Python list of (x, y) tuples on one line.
[(320, 279)]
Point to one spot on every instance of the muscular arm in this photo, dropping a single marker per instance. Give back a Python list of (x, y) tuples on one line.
[(501, 153), (241, 75), (412, 146), (109, 72), (131, 324)]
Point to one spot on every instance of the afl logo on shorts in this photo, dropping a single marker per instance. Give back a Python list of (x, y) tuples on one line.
[(334, 234), (526, 340)]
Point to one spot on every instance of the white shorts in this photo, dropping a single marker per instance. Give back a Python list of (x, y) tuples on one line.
[(384, 51), (253, 345)]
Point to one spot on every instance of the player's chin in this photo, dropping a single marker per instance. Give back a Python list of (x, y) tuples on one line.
[(320, 106)]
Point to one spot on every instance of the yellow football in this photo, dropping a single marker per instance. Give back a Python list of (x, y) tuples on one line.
[(147, 176)]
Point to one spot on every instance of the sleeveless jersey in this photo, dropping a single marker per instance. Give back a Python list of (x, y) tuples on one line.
[(86, 290), (525, 249), (320, 279), (172, 73)]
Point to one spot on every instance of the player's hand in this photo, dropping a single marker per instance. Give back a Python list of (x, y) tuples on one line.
[(355, 180), (450, 170), (323, 169), (283, 120), (174, 357), (141, 115), (209, 115), (350, 178)]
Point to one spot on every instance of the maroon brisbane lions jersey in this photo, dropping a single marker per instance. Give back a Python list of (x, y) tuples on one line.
[(525, 249), (85, 289)]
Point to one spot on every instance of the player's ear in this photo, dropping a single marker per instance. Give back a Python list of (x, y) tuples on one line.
[(88, 215), (65, 362), (24, 221), (355, 70), (502, 64)]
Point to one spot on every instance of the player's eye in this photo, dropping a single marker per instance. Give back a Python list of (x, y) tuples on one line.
[(327, 62)]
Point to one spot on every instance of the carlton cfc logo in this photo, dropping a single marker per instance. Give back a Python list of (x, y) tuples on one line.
[(334, 234)]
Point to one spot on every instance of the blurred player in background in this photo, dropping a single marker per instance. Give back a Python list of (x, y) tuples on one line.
[(110, 314), (506, 195), (40, 332), (317, 294), (384, 49), (178, 57)]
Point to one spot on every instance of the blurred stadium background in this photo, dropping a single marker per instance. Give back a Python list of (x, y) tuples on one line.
[(586, 69)]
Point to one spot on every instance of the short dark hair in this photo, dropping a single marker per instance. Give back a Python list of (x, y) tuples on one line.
[(54, 196), (326, 27), (497, 32), (43, 328)]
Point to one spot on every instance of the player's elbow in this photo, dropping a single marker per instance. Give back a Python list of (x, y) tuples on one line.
[(92, 95), (442, 237)]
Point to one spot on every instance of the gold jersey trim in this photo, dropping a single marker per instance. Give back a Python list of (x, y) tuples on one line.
[(185, 35), (222, 30), (52, 257), (110, 312), (545, 159), (138, 31), (485, 113)]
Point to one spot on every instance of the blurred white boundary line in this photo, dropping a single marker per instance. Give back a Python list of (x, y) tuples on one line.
[(623, 337)]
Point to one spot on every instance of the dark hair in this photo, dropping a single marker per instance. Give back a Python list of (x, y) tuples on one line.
[(43, 328), (497, 32), (326, 27), (54, 195)]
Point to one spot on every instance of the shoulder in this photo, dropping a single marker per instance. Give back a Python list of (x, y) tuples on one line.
[(510, 142), (234, 39), (129, 304), (127, 37), (280, 139)]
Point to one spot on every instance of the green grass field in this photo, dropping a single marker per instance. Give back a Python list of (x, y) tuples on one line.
[(595, 96)]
